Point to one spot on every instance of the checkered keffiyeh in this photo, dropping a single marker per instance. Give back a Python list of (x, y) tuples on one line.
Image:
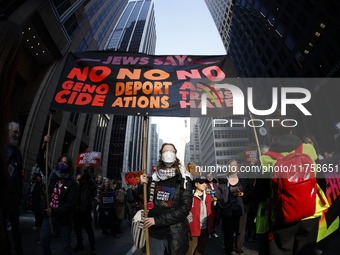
[(162, 174)]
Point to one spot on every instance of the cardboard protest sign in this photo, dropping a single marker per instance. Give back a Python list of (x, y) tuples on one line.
[(131, 178), (91, 158), (250, 156)]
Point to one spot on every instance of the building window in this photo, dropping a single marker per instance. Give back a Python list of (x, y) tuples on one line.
[(82, 46), (74, 118), (279, 30), (87, 125), (71, 26), (102, 124), (289, 43), (61, 6), (283, 55), (291, 71)]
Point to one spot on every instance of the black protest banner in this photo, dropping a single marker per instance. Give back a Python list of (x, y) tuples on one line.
[(126, 83)]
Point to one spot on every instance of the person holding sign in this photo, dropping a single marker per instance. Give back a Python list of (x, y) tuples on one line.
[(62, 192), (167, 221), (107, 212)]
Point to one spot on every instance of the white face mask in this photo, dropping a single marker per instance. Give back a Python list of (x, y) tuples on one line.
[(168, 157)]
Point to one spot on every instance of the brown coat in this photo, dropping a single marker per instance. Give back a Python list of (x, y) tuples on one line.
[(120, 204)]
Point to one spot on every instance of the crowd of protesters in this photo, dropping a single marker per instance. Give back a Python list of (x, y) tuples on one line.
[(69, 204), (188, 206), (243, 206)]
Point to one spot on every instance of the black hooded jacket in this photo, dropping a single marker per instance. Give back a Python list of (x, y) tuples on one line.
[(176, 218), (67, 198), (86, 192)]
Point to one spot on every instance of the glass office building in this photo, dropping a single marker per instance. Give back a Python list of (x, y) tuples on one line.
[(135, 31), (50, 30), (286, 39)]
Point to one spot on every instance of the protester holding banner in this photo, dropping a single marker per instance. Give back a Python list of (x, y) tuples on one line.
[(62, 192), (167, 221), (41, 156), (107, 212), (82, 217)]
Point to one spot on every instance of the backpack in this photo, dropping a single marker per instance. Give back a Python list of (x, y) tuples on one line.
[(294, 185)]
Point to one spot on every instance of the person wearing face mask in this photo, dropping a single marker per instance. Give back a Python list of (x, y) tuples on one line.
[(172, 199), (62, 192)]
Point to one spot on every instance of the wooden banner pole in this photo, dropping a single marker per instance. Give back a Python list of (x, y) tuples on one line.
[(46, 171), (145, 186), (255, 133)]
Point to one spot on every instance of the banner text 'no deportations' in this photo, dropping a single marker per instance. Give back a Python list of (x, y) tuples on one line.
[(125, 83)]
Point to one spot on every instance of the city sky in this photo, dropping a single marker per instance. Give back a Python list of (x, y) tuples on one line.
[(186, 27), (183, 27)]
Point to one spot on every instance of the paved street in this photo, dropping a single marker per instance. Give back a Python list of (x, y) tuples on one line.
[(106, 245), (123, 245)]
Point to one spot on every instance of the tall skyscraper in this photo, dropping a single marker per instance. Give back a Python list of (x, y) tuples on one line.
[(286, 39), (212, 146), (50, 30), (153, 144), (193, 148), (135, 31)]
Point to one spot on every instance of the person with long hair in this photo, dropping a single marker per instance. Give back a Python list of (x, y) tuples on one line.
[(171, 204), (107, 212), (309, 138), (62, 193), (230, 201)]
